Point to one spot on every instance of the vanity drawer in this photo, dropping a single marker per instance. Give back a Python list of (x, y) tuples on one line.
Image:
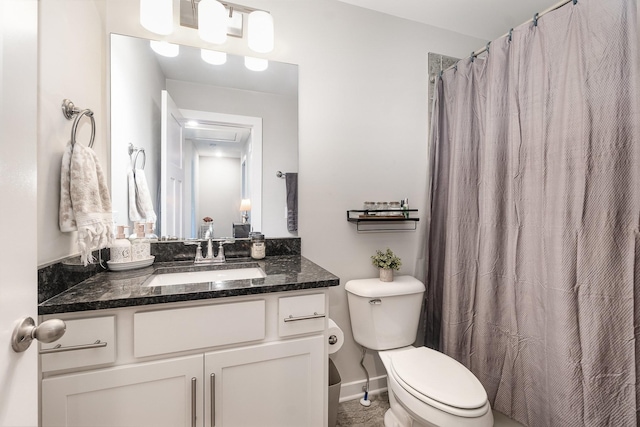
[(86, 342), (168, 331), (301, 314)]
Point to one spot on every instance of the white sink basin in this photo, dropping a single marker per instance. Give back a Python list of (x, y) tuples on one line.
[(205, 276)]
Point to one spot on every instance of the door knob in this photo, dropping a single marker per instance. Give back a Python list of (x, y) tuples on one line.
[(26, 331)]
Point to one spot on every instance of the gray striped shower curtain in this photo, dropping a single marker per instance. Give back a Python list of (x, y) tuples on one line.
[(533, 250)]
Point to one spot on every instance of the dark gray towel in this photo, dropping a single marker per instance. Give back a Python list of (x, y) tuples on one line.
[(292, 201)]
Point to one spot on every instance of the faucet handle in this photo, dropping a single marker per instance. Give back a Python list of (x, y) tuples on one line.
[(199, 252)]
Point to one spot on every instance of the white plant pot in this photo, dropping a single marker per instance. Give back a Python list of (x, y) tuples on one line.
[(386, 275)]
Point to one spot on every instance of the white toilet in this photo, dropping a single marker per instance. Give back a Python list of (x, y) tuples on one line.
[(426, 387)]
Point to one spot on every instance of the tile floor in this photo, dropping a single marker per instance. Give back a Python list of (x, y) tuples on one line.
[(353, 414)]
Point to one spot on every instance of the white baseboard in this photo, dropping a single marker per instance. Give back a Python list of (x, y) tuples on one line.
[(353, 390)]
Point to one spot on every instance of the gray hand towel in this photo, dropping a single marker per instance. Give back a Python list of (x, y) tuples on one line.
[(292, 201)]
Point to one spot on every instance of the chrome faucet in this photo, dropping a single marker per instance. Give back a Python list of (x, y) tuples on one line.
[(209, 249), (210, 259)]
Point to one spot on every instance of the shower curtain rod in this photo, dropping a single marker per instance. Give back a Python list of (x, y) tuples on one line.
[(535, 18)]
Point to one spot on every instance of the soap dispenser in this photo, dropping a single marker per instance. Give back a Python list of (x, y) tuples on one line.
[(149, 234), (120, 250), (140, 246)]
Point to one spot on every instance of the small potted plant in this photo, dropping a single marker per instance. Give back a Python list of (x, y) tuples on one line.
[(386, 262)]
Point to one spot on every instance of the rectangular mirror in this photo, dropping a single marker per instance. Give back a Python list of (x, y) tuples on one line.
[(205, 136)]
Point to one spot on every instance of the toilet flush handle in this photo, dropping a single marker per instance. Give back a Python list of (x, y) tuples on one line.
[(376, 301)]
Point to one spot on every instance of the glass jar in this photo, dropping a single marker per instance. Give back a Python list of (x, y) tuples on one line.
[(395, 209), (378, 206), (385, 208), (258, 247), (369, 206)]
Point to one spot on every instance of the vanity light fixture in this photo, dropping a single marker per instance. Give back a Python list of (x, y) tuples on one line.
[(157, 16), (165, 48), (213, 57), (256, 64), (217, 19)]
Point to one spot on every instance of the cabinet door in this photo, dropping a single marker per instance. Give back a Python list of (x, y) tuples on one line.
[(156, 394), (278, 384)]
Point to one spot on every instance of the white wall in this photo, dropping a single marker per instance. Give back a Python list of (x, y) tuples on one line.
[(219, 179), (363, 134), (362, 126), (71, 46)]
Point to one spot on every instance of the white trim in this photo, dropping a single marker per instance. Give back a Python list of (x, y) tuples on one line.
[(353, 390)]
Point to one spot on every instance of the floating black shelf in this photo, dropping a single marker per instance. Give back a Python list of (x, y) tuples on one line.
[(383, 219)]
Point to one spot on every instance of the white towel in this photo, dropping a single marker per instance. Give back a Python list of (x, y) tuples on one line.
[(140, 204), (134, 213), (85, 203)]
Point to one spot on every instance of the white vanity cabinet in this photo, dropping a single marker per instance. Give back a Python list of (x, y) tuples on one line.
[(165, 393), (225, 362), (280, 384)]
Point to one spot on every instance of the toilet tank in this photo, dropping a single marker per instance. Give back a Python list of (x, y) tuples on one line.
[(385, 315)]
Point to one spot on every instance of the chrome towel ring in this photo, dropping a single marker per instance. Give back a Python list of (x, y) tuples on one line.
[(69, 110), (133, 149)]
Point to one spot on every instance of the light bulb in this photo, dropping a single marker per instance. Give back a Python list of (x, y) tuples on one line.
[(260, 31), (164, 48), (212, 21), (157, 16), (256, 64), (213, 57)]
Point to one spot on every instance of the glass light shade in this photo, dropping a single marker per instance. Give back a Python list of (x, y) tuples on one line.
[(213, 57), (245, 205), (212, 21), (256, 64), (157, 16), (165, 48), (260, 31)]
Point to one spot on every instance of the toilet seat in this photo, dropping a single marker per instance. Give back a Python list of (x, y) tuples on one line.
[(439, 381)]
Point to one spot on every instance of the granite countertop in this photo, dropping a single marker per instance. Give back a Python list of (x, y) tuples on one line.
[(127, 288)]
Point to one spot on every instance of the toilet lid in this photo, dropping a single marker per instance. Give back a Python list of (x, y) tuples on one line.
[(439, 377)]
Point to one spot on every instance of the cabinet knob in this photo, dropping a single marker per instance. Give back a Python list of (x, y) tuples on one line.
[(26, 331)]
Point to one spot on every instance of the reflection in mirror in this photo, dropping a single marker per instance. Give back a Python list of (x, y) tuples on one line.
[(212, 134)]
